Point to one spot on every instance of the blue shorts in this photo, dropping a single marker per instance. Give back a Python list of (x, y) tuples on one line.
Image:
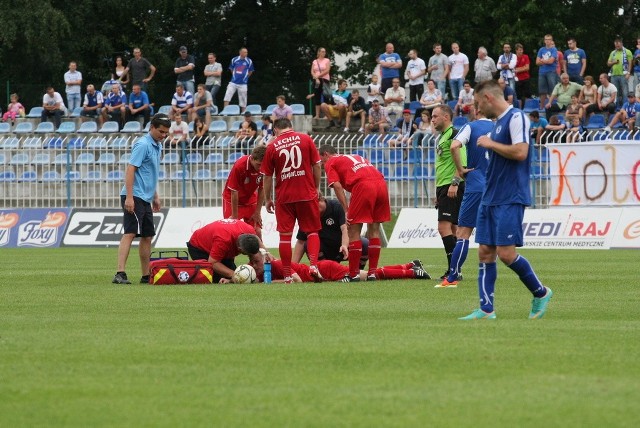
[(469, 209), (546, 82), (500, 225)]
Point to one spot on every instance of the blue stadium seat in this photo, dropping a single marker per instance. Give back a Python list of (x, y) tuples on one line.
[(10, 143), (7, 175), (385, 171), (41, 159), (540, 154), (170, 158), (235, 125), (93, 175), (214, 158), (362, 153), (180, 174), (66, 128), (194, 158), (44, 128), (298, 109), (72, 176), (377, 156), (24, 128), (5, 127), (110, 127), (88, 128), (106, 159), (596, 121), (414, 105), (49, 176), (396, 156), (460, 121), (401, 173), (224, 142), (233, 157), (254, 109), (119, 143), (85, 159), (530, 105), (218, 126), (423, 173), (166, 109), (97, 143), (230, 110), (203, 174), (221, 174), (3, 159), (115, 175), (76, 112), (19, 159), (75, 143), (28, 176), (35, 113), (270, 109), (61, 159), (32, 143), (415, 156), (132, 126), (452, 103), (124, 159)]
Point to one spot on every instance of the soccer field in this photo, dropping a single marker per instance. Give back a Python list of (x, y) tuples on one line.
[(76, 350)]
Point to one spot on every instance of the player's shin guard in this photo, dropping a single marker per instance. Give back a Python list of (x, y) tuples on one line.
[(313, 248), (528, 277), (487, 275), (458, 257), (355, 251), (285, 254), (374, 254)]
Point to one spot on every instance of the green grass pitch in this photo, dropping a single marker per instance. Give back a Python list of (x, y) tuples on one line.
[(76, 350)]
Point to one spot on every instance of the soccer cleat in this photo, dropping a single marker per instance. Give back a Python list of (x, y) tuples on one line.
[(479, 314), (346, 278), (372, 277), (121, 278), (315, 274), (288, 280), (445, 283), (417, 263), (446, 275), (420, 273), (144, 279), (539, 305), (355, 279)]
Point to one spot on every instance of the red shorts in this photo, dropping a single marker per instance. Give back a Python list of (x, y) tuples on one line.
[(466, 108), (369, 203), (306, 212), (332, 271), (244, 211)]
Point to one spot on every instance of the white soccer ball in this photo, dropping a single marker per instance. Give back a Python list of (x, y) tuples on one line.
[(183, 276), (244, 274)]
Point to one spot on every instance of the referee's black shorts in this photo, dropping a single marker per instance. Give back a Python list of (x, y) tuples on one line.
[(140, 222), (449, 208)]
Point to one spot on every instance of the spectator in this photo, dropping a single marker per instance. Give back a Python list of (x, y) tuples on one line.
[(562, 92), (320, 74), (394, 98), (605, 97), (423, 128), (378, 119), (73, 80), (547, 61), (620, 60), (466, 103), (181, 102), (574, 109), (509, 94), (118, 73), (282, 110), (266, 129), (431, 98), (246, 135), (574, 130), (201, 133), (439, 68), (52, 105), (627, 114), (241, 68), (636, 67), (178, 132), (336, 108), (484, 67), (357, 108), (93, 101), (14, 109), (115, 106), (575, 62), (458, 69), (202, 103), (588, 94), (538, 125), (213, 73), (555, 130), (185, 64), (142, 71), (108, 84), (414, 73), (405, 130), (139, 197), (139, 105), (523, 86), (373, 91), (390, 64), (507, 64)]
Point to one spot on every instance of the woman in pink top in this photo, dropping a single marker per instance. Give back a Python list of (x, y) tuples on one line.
[(14, 109), (320, 68)]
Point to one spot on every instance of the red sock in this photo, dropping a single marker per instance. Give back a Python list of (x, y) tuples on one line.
[(355, 252), (374, 254), (404, 266), (313, 248), (393, 272), (285, 254)]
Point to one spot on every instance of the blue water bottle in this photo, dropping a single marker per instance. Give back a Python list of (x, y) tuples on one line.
[(267, 272)]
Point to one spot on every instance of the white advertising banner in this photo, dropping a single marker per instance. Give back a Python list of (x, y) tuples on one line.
[(605, 173), (628, 231), (418, 228)]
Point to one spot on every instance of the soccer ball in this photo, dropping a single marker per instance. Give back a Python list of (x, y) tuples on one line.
[(244, 274), (183, 276)]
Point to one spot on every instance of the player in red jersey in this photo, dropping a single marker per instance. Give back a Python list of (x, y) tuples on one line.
[(369, 203), (221, 241), (243, 195), (334, 271), (294, 159)]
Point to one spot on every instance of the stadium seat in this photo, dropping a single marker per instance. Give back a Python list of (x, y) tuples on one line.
[(377, 156), (214, 159), (221, 174), (10, 143), (35, 113), (214, 110), (132, 126), (147, 126), (51, 176), (106, 159), (224, 142), (119, 143), (3, 159), (170, 158), (165, 109), (218, 126), (28, 176), (190, 126), (97, 143), (596, 121), (460, 121), (396, 156), (180, 174), (298, 109), (92, 175), (85, 159), (371, 140), (7, 175), (76, 112), (231, 110), (401, 173), (45, 128), (540, 154), (76, 143), (254, 109), (19, 159), (55, 143), (115, 175), (61, 159), (41, 159), (124, 159), (66, 128), (5, 127), (415, 156), (452, 104), (530, 105), (235, 126), (32, 143), (414, 105), (72, 176), (385, 171), (110, 127), (162, 174), (203, 174), (194, 158), (233, 157), (24, 128), (422, 173), (88, 128), (362, 153), (621, 134), (270, 108)]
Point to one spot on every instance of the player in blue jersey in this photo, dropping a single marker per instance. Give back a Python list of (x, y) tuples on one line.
[(241, 68), (499, 223), (474, 175)]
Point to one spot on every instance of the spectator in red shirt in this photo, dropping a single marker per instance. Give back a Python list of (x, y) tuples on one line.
[(294, 159), (369, 203), (243, 194), (523, 88)]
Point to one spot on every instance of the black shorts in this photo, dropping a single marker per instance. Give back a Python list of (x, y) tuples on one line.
[(523, 89), (449, 208), (140, 222)]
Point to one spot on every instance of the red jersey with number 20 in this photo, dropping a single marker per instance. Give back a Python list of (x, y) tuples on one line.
[(291, 157), (349, 170)]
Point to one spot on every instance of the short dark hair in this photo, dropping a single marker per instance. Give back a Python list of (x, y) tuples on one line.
[(258, 152), (446, 110), (160, 119), (535, 114), (282, 123), (249, 244), (326, 148)]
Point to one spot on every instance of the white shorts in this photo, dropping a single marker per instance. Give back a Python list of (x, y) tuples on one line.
[(242, 93)]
